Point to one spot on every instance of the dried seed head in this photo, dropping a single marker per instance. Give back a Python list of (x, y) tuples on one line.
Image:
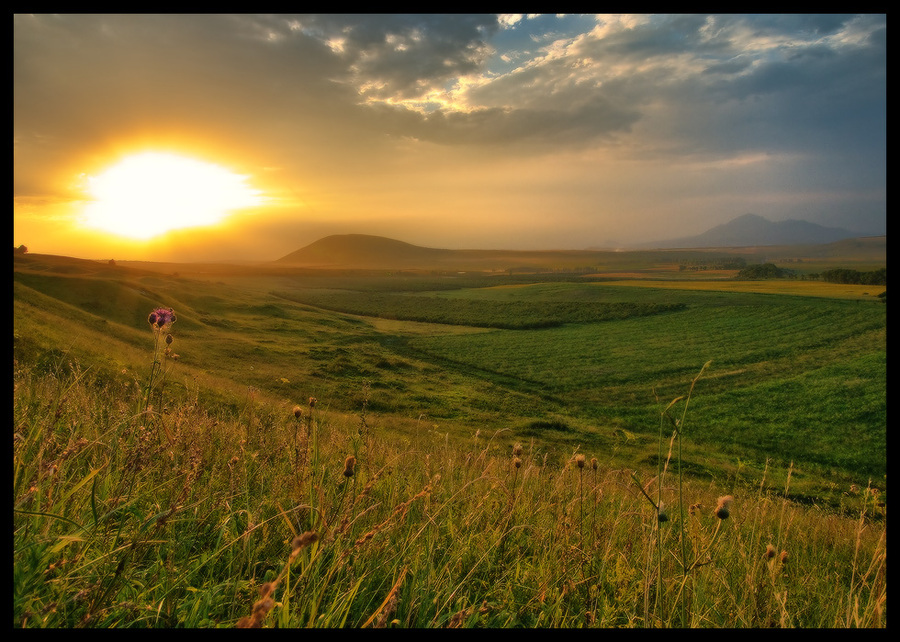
[(723, 506), (784, 557), (263, 606), (517, 450), (298, 412), (312, 402), (517, 462), (594, 463), (266, 590), (304, 539), (661, 515), (579, 461), (770, 551), (349, 464)]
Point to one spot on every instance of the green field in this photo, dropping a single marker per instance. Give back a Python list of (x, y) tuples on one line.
[(792, 397), (795, 375)]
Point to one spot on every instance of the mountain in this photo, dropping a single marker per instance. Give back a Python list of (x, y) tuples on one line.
[(752, 229)]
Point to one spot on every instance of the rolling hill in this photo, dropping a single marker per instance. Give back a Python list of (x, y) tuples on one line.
[(365, 252)]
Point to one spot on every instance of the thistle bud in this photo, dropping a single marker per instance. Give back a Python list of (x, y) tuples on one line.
[(349, 465), (722, 507)]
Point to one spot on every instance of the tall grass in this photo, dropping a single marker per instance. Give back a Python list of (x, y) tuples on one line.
[(184, 514)]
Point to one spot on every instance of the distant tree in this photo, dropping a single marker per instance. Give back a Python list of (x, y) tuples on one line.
[(764, 271), (112, 262), (20, 250), (843, 275)]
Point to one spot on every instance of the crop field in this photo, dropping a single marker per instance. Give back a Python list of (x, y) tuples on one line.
[(786, 384), (596, 357), (794, 287)]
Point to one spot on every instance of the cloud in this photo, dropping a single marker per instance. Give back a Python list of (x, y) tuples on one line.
[(350, 104)]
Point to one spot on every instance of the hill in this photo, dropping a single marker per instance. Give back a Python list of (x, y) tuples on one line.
[(365, 252), (752, 229)]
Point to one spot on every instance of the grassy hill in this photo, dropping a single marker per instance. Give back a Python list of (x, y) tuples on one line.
[(370, 448), (361, 252)]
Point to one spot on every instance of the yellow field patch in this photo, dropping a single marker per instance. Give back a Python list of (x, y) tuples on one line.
[(794, 287)]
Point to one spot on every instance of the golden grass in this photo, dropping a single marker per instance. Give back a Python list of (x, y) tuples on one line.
[(792, 287)]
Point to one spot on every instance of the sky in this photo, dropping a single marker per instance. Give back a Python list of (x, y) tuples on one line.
[(450, 131)]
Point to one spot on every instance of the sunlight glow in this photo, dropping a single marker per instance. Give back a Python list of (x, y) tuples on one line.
[(148, 194)]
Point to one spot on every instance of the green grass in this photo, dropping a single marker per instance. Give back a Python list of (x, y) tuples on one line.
[(793, 378), (175, 515), (186, 518)]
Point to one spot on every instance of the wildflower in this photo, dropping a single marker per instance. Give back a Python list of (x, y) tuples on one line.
[(298, 412), (349, 464), (517, 462), (723, 505), (579, 461), (517, 450), (312, 402), (594, 463), (161, 318)]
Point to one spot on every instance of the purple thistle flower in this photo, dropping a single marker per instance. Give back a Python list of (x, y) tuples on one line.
[(161, 317)]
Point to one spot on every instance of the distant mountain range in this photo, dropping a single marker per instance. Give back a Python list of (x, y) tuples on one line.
[(752, 230), (363, 251)]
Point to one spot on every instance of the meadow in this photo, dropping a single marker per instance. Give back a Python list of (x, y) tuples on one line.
[(441, 450)]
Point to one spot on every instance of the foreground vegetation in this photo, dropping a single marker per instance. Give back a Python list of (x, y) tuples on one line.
[(279, 464), (184, 516)]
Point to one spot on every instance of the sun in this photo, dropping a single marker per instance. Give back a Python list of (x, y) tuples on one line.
[(151, 193)]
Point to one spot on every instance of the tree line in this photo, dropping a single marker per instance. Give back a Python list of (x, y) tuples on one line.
[(835, 275)]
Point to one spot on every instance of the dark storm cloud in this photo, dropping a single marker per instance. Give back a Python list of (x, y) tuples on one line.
[(402, 55)]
